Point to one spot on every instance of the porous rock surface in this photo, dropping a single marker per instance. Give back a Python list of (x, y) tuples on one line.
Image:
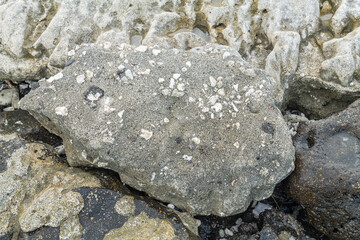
[(42, 198), (304, 45), (326, 178), (198, 129)]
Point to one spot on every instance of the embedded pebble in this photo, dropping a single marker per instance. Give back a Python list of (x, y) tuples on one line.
[(146, 134), (156, 52), (187, 158), (62, 111), (80, 79), (176, 76), (129, 74), (188, 64), (217, 107), (212, 81), (141, 48), (55, 77), (196, 140)]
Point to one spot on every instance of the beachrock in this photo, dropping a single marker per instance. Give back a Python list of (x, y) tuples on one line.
[(197, 129), (42, 198), (326, 178)]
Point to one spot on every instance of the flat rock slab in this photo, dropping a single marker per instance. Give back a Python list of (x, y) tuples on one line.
[(196, 128)]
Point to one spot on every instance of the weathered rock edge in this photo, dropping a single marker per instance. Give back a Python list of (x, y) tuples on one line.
[(158, 118)]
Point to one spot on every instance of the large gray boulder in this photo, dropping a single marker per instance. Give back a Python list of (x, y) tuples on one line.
[(197, 128)]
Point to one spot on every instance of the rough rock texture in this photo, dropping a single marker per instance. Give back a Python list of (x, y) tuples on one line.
[(326, 179), (310, 42), (26, 127), (195, 128), (278, 225), (41, 198)]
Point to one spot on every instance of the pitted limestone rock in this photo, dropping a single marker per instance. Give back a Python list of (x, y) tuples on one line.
[(198, 128)]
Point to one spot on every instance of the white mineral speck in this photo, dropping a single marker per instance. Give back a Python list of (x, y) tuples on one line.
[(181, 86), (121, 67), (176, 76), (248, 93), (156, 52), (172, 83), (55, 77), (187, 158), (196, 140), (221, 92), (191, 99), (153, 176), (212, 81), (107, 45), (80, 79), (184, 69), (120, 114), (226, 55), (205, 109), (236, 144), (62, 111), (161, 80), (71, 53), (84, 53), (166, 120), (89, 74), (166, 92), (141, 48), (152, 63), (146, 134), (213, 99), (236, 87), (129, 74), (188, 64)]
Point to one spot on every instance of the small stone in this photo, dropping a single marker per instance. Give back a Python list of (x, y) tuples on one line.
[(156, 52), (129, 74), (141, 48), (62, 111), (228, 232), (176, 76), (80, 79), (212, 81), (196, 140), (188, 63), (71, 53), (217, 107), (146, 134), (161, 80), (187, 158), (172, 206), (221, 233), (181, 87), (55, 77), (226, 55)]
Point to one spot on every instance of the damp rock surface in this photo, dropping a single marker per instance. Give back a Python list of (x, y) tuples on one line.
[(326, 179), (198, 129), (42, 198)]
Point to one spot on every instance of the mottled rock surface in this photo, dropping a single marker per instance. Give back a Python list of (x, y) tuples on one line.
[(326, 178), (310, 42), (41, 198), (198, 129)]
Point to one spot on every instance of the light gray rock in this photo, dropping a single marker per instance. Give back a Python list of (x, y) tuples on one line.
[(198, 129)]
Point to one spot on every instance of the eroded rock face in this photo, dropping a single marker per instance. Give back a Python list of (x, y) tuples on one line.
[(42, 198), (326, 179), (198, 129), (39, 39)]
